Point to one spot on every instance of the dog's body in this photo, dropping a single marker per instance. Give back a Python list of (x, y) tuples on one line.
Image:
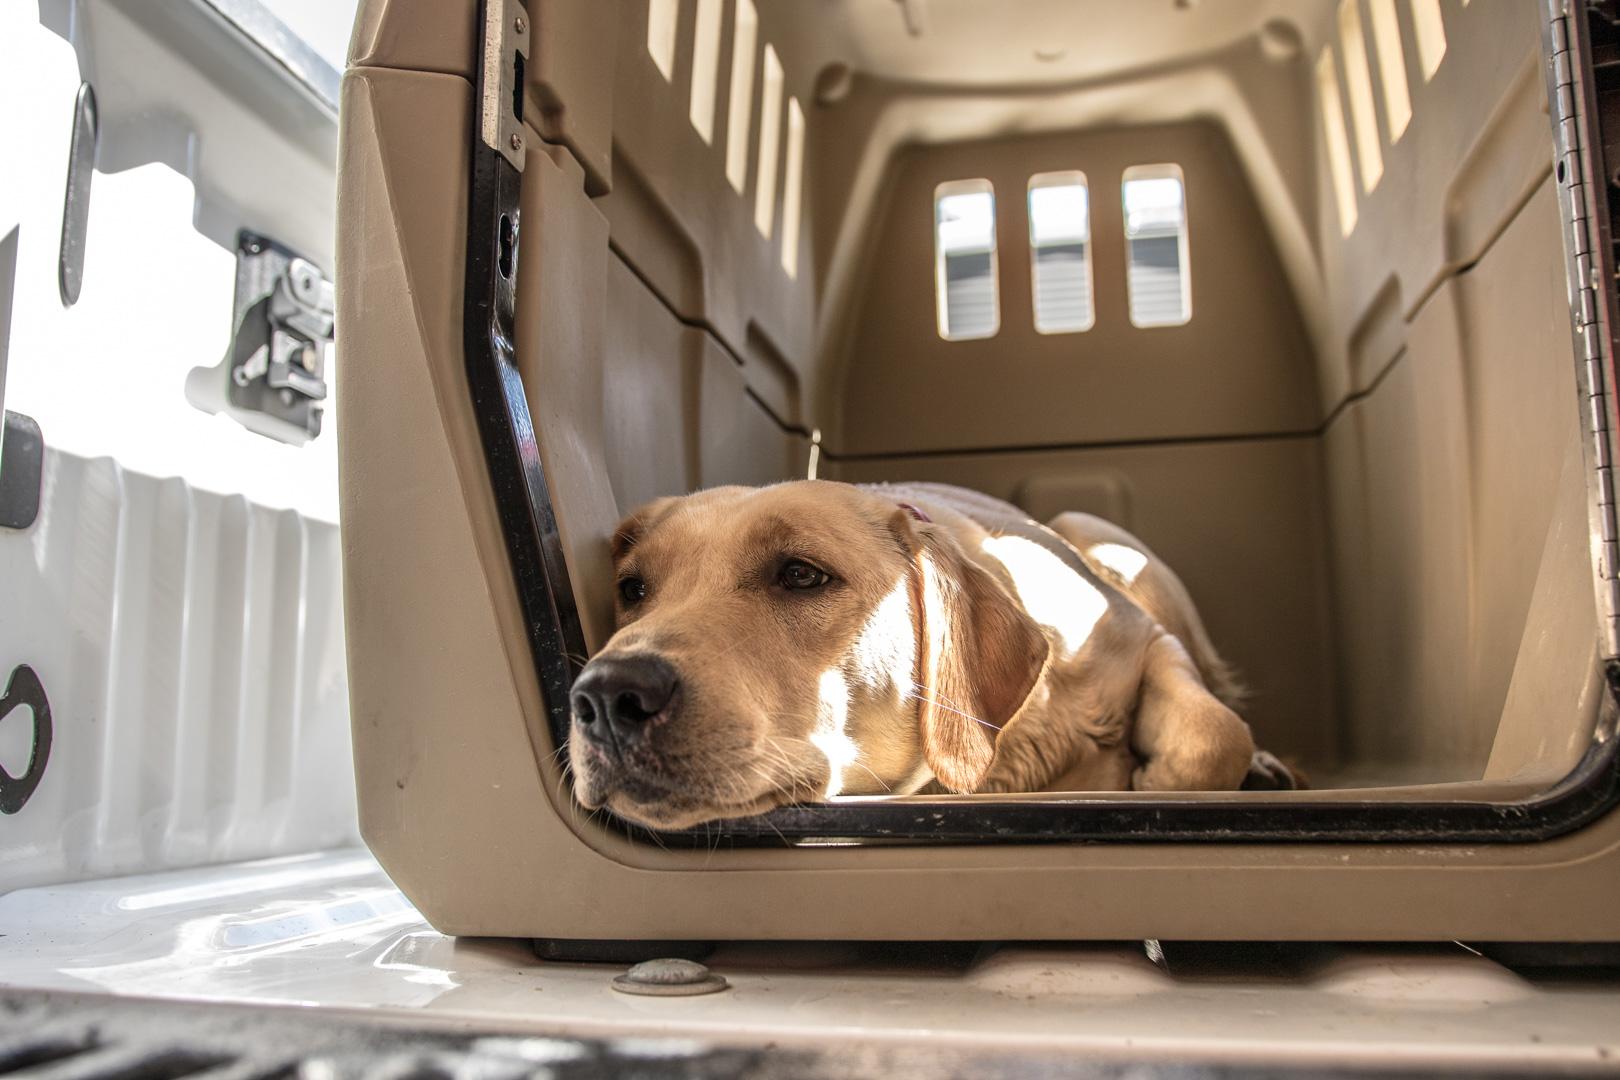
[(1120, 706), (790, 643)]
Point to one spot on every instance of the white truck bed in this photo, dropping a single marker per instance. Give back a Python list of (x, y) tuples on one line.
[(327, 933)]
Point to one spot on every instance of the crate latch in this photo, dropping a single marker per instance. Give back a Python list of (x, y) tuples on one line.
[(273, 377)]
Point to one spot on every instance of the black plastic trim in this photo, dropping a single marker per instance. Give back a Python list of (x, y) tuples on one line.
[(23, 688), (506, 428), (1586, 794), (22, 470), (540, 573)]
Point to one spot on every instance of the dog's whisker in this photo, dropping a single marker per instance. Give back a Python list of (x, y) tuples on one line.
[(873, 773), (775, 745), (937, 695), (941, 705)]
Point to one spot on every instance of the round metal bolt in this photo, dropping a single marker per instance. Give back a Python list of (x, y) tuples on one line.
[(669, 978), (517, 142), (520, 24)]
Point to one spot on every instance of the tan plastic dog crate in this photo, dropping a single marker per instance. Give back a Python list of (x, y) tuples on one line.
[(1345, 362)]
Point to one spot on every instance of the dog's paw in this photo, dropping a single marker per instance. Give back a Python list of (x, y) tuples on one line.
[(1268, 773)]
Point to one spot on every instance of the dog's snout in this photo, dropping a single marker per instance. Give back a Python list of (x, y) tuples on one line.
[(615, 697)]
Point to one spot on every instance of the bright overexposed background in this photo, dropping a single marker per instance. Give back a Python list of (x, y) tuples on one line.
[(107, 377), (323, 24)]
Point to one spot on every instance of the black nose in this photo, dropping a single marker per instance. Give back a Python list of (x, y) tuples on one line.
[(615, 696)]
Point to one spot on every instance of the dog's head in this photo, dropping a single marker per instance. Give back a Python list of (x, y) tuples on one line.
[(789, 643)]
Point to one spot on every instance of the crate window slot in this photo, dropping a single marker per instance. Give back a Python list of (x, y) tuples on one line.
[(770, 143), (705, 68), (1060, 252), (1337, 139), (740, 104), (793, 188), (1358, 83), (1429, 25), (1391, 67), (1157, 276), (965, 259), (662, 18)]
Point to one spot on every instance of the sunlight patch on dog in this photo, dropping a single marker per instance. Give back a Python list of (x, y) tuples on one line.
[(887, 641), (1127, 562), (934, 622), (1052, 593), (831, 735)]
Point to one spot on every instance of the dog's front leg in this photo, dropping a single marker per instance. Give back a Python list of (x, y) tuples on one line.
[(1073, 726), (1187, 739)]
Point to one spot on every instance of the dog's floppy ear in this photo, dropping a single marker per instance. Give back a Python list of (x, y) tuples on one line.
[(980, 653), (635, 526)]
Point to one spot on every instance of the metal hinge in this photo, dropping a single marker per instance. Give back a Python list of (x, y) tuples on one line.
[(273, 377), (1581, 149)]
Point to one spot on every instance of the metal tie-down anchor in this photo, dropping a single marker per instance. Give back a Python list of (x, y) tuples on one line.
[(669, 978)]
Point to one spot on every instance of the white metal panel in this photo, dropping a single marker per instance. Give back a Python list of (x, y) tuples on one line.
[(179, 596), (191, 646)]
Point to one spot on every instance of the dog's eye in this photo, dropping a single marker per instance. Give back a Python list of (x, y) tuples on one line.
[(798, 574), (633, 590)]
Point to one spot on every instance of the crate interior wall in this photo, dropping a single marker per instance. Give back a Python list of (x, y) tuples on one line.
[(1362, 451)]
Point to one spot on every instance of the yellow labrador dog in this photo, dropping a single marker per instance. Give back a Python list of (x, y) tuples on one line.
[(790, 643)]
